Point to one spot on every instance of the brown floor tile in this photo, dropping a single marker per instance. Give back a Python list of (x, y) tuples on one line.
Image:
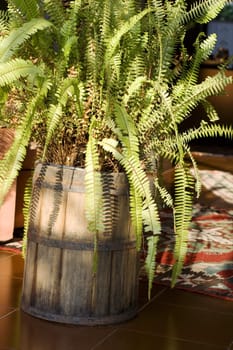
[(184, 322), (5, 310), (10, 291), (10, 331), (130, 340), (20, 331), (11, 264), (199, 301)]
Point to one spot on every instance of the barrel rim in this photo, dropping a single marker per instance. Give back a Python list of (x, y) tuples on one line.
[(81, 320)]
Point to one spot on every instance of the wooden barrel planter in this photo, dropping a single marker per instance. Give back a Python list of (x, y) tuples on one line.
[(59, 280)]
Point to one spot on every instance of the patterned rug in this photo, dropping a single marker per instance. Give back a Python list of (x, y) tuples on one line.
[(208, 267)]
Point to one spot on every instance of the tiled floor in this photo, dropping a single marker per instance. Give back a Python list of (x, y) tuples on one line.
[(172, 320)]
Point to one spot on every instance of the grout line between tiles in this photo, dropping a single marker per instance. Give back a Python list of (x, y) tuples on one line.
[(151, 300), (104, 339), (9, 313)]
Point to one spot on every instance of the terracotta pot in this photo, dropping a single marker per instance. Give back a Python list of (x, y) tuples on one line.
[(7, 210)]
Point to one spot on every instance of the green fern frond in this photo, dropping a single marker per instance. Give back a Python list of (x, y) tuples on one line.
[(207, 130), (26, 211), (204, 11), (184, 184), (69, 27), (54, 117), (93, 185), (91, 61), (128, 133), (105, 25), (133, 89), (20, 9), (150, 263), (17, 37), (55, 112), (13, 159), (113, 79), (152, 117), (54, 10), (136, 215), (211, 112), (126, 27), (164, 194), (69, 45), (168, 33), (198, 184), (194, 95), (190, 75), (4, 24), (11, 71)]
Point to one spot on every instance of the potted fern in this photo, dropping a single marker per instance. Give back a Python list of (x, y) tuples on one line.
[(111, 84)]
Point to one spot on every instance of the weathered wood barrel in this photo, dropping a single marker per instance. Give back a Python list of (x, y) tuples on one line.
[(60, 283)]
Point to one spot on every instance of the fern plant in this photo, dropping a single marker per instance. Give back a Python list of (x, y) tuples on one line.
[(112, 82)]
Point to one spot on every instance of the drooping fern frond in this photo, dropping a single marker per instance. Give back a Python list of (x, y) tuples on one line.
[(196, 94), (134, 88), (105, 25), (9, 44), (26, 211), (13, 159), (126, 27), (55, 112), (150, 263), (206, 130), (190, 75), (184, 185), (11, 71), (204, 11), (211, 112), (195, 173), (93, 185), (128, 133), (4, 26), (23, 9), (55, 12), (167, 29), (164, 194)]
